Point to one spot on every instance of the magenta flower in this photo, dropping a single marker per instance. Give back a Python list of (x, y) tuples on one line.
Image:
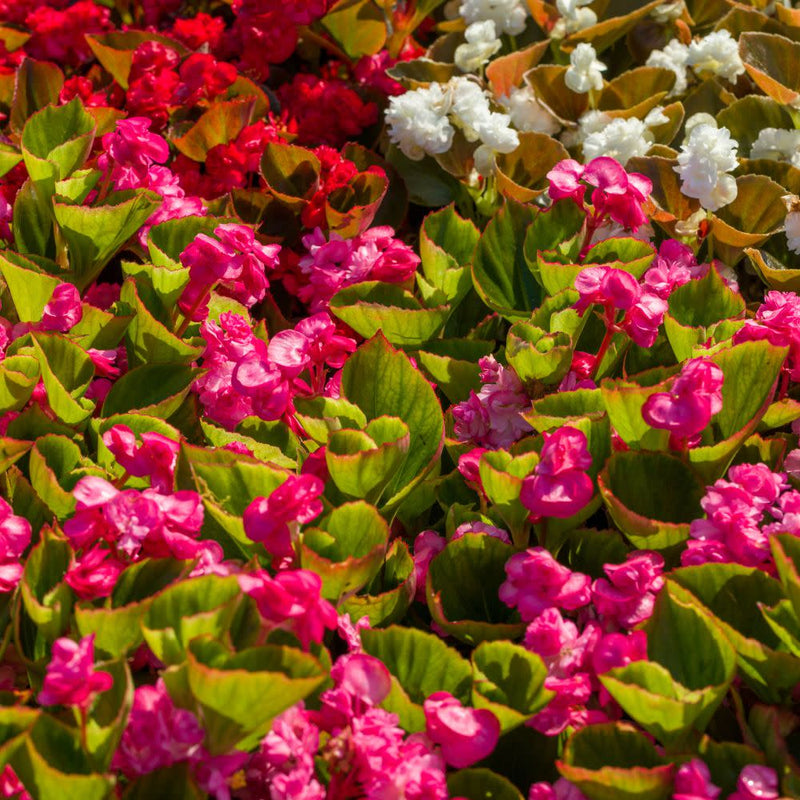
[(693, 782), (71, 679), (156, 456), (63, 311), (756, 782), (557, 641), (269, 519), (427, 545), (291, 600), (11, 786), (629, 595), (536, 581), (607, 286), (565, 181), (466, 735), (643, 319), (559, 486), (15, 537), (686, 409), (157, 733)]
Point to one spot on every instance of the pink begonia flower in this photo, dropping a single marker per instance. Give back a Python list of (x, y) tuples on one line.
[(756, 782), (291, 600), (351, 632), (778, 321), (283, 767), (11, 786), (469, 467), (559, 486), (71, 679), (157, 734), (607, 286), (695, 396), (15, 537), (674, 266), (63, 311), (617, 195), (491, 418), (466, 735), (94, 574), (213, 773), (617, 650), (643, 319), (476, 526), (268, 519), (562, 789), (568, 707), (156, 456), (427, 545), (536, 581), (130, 149), (629, 596), (557, 642), (565, 181), (313, 342), (102, 295), (362, 676), (103, 361), (333, 263), (693, 782)]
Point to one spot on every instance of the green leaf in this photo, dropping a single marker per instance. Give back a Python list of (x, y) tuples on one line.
[(32, 221), (358, 26), (18, 377), (37, 84), (241, 693), (150, 342), (95, 234), (652, 497), (117, 631), (291, 173), (375, 306), (346, 548), (155, 389), (56, 142), (361, 463), (11, 450), (704, 302), (554, 409), (45, 597), (746, 117), (786, 552), (52, 460), (615, 761), (109, 714), (397, 389), (509, 681), (221, 123), (30, 288), (500, 272), (350, 209), (446, 242), (388, 597), (67, 371), (623, 401), (420, 664), (538, 356), (731, 592), (463, 581), (481, 784), (189, 609)]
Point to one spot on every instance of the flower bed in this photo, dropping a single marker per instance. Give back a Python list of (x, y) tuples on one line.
[(397, 399)]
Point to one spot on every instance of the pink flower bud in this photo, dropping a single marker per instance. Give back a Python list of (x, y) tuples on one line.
[(466, 735)]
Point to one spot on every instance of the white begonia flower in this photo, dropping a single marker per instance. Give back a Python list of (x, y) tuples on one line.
[(573, 18), (674, 56), (703, 164), (589, 122), (509, 16), (482, 43), (585, 72), (527, 113), (621, 139), (667, 12), (700, 118), (717, 54), (793, 231), (777, 144), (418, 123)]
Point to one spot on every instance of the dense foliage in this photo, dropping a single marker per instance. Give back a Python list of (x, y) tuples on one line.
[(399, 400)]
